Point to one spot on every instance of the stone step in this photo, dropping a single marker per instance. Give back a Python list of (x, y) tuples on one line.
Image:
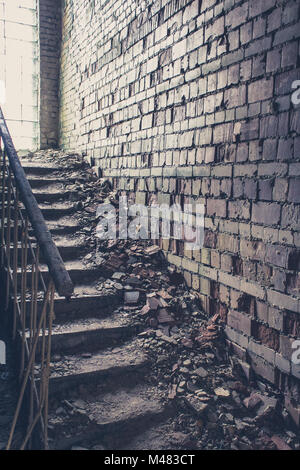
[(81, 306), (85, 303), (70, 249), (36, 182), (119, 364), (55, 195), (63, 226), (78, 272), (106, 419), (40, 168), (57, 210), (90, 335), (53, 211)]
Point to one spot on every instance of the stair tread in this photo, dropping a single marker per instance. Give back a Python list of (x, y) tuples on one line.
[(57, 205), (91, 324), (62, 222), (30, 164), (70, 266), (121, 405), (53, 188), (153, 438), (117, 406), (61, 242), (55, 179), (128, 355), (51, 205), (50, 178), (85, 304), (75, 265), (83, 291)]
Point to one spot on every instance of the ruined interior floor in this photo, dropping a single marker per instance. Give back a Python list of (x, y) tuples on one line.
[(135, 363)]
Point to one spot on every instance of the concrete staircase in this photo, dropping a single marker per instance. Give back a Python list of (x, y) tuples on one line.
[(98, 385)]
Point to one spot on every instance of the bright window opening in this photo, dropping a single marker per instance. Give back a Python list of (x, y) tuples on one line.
[(19, 71)]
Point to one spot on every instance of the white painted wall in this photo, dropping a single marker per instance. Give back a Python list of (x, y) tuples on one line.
[(19, 70)]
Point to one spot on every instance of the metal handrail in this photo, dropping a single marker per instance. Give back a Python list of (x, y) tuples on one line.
[(58, 272), (28, 297)]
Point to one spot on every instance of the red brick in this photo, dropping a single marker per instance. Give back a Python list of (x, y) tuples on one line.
[(250, 130), (267, 214), (265, 188), (216, 207), (253, 250), (260, 90), (292, 324), (238, 188), (280, 189), (262, 311), (237, 16), (280, 443), (285, 149), (250, 189), (294, 410), (240, 322), (266, 335), (268, 127), (223, 312), (224, 294), (210, 239), (286, 346), (239, 210), (294, 190), (263, 368), (277, 255), (258, 7), (215, 259), (226, 262)]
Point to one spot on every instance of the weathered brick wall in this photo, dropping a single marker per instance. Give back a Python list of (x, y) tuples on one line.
[(50, 44), (192, 100)]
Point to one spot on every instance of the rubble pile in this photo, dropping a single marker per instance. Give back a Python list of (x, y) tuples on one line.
[(192, 369)]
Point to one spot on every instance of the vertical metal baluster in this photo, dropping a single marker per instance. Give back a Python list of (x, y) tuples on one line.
[(8, 238), (31, 402), (14, 245), (32, 331), (46, 408), (24, 285), (24, 274), (44, 375), (26, 375), (35, 283), (3, 208), (43, 349), (15, 262), (23, 242)]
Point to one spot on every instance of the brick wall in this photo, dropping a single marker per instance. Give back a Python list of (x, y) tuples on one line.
[(192, 100), (50, 43)]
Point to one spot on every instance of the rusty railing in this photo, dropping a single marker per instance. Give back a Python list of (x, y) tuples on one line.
[(28, 295)]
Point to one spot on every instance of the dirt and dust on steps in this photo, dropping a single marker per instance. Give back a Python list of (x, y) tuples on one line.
[(136, 363)]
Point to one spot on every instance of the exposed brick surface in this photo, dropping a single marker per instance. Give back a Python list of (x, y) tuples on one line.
[(189, 99), (50, 38)]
